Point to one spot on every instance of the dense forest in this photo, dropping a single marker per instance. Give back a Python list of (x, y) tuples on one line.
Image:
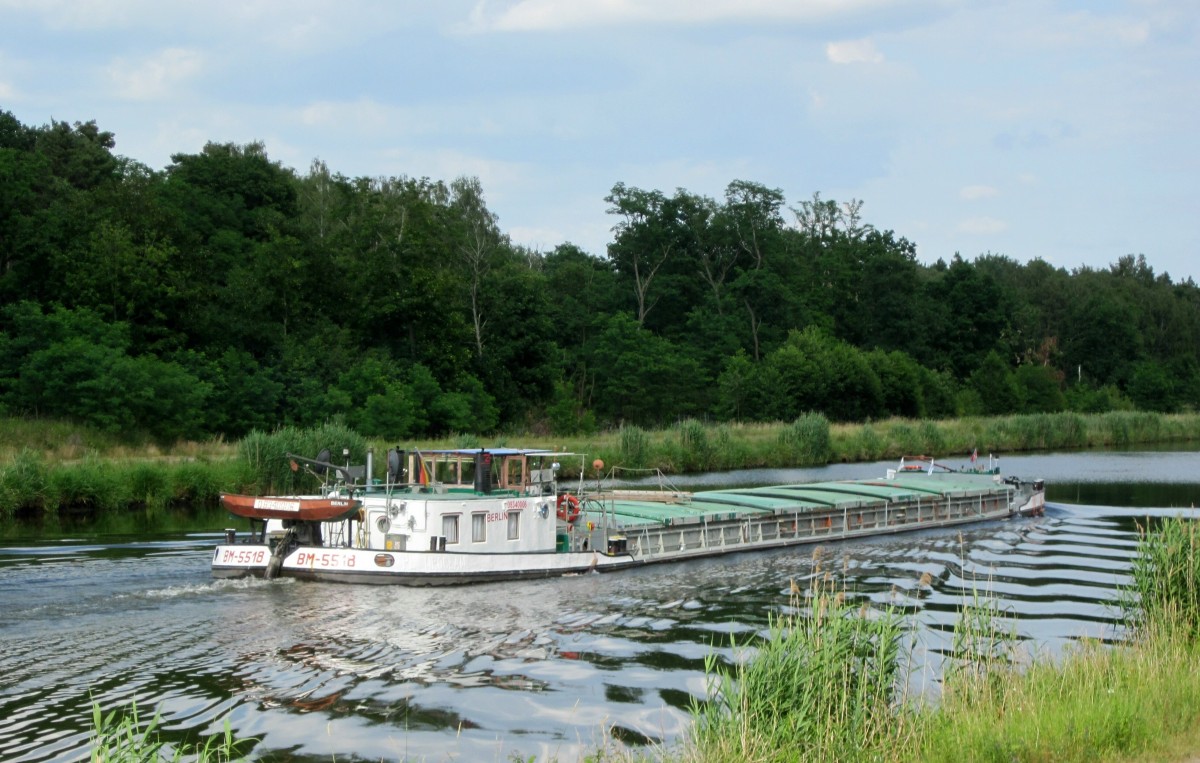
[(227, 293)]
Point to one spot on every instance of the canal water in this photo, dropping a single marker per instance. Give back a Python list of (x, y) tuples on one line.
[(542, 669)]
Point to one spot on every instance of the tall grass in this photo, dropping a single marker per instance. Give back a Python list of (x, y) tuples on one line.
[(633, 447), (122, 736), (813, 440), (819, 688), (265, 455), (822, 685), (39, 488), (1165, 592), (806, 441), (1097, 702), (49, 496)]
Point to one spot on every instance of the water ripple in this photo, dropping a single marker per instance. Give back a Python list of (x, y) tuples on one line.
[(552, 668)]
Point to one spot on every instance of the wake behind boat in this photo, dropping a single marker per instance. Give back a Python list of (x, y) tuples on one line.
[(479, 515)]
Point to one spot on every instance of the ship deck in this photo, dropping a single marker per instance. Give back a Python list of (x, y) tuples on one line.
[(808, 498)]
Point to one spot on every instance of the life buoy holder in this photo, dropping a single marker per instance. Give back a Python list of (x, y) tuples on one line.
[(568, 508)]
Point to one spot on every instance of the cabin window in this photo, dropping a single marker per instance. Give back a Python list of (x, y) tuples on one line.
[(514, 525), (515, 471), (450, 528), (478, 527)]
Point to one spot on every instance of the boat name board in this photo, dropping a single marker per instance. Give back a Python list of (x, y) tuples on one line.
[(328, 560), (516, 504), (243, 556), (274, 504)]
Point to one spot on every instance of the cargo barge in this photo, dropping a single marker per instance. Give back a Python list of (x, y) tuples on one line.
[(452, 517)]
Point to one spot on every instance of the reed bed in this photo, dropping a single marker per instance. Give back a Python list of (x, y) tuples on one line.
[(812, 440), (63, 476), (822, 687), (123, 736), (819, 688), (40, 494), (1097, 703), (267, 459)]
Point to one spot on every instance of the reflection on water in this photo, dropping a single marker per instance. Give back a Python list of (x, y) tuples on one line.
[(541, 668)]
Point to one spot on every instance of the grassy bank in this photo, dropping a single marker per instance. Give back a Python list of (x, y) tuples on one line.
[(812, 440), (54, 477), (821, 686)]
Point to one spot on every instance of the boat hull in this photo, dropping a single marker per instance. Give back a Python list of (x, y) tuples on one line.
[(412, 568), (424, 568), (453, 534)]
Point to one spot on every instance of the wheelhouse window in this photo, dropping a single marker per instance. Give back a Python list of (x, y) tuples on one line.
[(479, 527), (514, 525), (450, 528)]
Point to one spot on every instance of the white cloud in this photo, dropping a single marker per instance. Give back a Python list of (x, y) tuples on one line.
[(982, 226), (155, 77), (853, 52), (543, 15), (975, 192)]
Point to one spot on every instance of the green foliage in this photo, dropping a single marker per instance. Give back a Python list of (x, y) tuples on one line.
[(806, 441), (90, 487), (24, 485), (819, 687), (1039, 389), (696, 450), (1088, 399), (994, 384), (641, 377), (1152, 389), (122, 736), (226, 293), (634, 448), (867, 445), (931, 439), (268, 466), (566, 414), (95, 491), (1165, 589)]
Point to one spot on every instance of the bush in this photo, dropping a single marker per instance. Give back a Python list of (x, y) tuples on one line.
[(807, 440)]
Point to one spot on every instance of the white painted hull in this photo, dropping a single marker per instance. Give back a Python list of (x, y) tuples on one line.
[(414, 568)]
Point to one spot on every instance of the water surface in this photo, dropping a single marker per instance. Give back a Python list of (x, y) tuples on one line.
[(542, 668)]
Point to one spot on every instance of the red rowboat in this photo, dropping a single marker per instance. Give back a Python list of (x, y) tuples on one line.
[(307, 509)]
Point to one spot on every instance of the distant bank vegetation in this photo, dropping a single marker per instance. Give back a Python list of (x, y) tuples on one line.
[(55, 476), (226, 293)]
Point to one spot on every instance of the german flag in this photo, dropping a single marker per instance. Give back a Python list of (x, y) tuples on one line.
[(422, 472)]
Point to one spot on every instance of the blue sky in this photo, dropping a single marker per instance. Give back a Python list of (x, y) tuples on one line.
[(1030, 128)]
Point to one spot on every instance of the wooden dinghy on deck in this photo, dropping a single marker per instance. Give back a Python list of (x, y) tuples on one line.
[(300, 508)]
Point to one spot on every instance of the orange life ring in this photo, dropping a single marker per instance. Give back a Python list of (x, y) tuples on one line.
[(568, 508)]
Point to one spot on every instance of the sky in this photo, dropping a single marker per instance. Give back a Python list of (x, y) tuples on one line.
[(1056, 129)]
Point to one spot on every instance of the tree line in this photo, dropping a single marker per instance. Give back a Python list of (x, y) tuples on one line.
[(227, 293)]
